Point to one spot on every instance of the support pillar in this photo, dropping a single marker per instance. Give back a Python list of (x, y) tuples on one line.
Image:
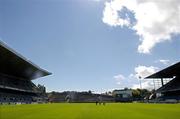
[(162, 82)]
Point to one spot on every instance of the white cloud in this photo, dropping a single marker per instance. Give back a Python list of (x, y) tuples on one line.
[(156, 20), (119, 78), (135, 86), (144, 71), (165, 62), (111, 16), (133, 80), (145, 85), (131, 76)]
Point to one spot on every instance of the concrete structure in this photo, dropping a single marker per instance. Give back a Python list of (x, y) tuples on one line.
[(16, 75)]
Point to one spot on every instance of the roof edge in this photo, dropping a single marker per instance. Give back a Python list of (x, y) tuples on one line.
[(25, 59)]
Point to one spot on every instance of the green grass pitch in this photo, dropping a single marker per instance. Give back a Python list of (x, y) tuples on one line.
[(91, 111)]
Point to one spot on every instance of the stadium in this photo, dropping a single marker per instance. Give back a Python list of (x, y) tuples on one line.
[(96, 59), (20, 97), (16, 75)]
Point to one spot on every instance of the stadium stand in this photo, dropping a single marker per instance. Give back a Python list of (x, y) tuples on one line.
[(169, 92), (73, 96), (16, 75)]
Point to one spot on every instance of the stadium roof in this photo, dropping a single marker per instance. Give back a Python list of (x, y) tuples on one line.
[(173, 85), (169, 72), (13, 64)]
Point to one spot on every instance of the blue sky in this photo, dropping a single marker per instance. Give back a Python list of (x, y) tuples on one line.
[(70, 39)]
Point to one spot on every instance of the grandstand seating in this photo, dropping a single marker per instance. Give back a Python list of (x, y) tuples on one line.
[(15, 83), (77, 97), (172, 85), (16, 75)]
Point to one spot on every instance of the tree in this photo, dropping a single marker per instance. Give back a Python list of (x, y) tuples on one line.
[(136, 93)]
